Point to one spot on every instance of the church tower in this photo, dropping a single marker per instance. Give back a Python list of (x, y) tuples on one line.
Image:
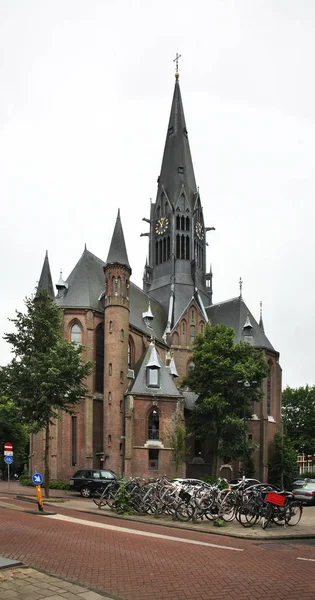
[(177, 240), (116, 328)]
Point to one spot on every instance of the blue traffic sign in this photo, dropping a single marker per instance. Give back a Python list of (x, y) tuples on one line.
[(37, 478), (8, 460)]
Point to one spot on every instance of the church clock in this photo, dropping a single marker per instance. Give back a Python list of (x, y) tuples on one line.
[(161, 225)]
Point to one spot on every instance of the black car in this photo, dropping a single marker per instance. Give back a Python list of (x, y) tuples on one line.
[(87, 481)]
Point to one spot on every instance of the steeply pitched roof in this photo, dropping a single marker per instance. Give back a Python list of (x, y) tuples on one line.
[(85, 283), (166, 387), (177, 167), (45, 280), (234, 313), (117, 252)]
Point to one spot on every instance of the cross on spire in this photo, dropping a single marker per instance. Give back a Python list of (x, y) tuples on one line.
[(176, 61), (241, 286)]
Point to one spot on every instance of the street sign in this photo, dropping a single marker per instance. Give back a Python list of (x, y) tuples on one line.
[(37, 478), (8, 460), (8, 453), (8, 446)]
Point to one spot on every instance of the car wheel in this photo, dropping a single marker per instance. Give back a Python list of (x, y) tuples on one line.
[(85, 492)]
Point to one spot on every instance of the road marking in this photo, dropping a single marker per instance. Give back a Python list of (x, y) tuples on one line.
[(309, 559), (137, 532)]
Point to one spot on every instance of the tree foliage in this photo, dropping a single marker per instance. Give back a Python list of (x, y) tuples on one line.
[(298, 413), (221, 369), (46, 375), (283, 467), (14, 430)]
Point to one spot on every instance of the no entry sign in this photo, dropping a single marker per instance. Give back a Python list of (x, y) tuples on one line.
[(8, 446)]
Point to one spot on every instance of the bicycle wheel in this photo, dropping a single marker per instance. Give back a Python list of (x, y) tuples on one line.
[(293, 513), (184, 511), (98, 499), (248, 514), (267, 516)]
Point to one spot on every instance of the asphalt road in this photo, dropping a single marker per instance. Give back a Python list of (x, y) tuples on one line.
[(136, 561)]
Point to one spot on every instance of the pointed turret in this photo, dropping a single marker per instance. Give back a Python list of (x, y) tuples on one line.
[(117, 252), (177, 167), (45, 280)]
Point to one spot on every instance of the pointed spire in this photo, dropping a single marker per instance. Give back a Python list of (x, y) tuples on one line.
[(117, 252), (45, 280), (177, 167), (240, 283), (61, 286), (261, 324)]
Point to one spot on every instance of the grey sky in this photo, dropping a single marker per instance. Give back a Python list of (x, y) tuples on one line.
[(86, 89)]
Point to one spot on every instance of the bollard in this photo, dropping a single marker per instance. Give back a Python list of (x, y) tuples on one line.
[(39, 497)]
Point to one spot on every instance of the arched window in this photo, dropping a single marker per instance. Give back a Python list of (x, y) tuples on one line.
[(99, 360), (153, 425), (190, 367), (110, 326), (269, 388), (131, 353), (76, 334), (192, 333), (122, 334), (110, 369), (109, 397)]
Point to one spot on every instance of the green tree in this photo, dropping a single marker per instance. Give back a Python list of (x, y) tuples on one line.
[(12, 429), (298, 413), (224, 402), (46, 375), (283, 467), (176, 434)]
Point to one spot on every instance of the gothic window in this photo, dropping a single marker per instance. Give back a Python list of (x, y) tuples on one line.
[(192, 316), (121, 377), (153, 460), (187, 223), (74, 440), (110, 326), (178, 246), (187, 247), (156, 252), (192, 333), (190, 367), (122, 334), (183, 327), (99, 366), (109, 439), (109, 397), (110, 369), (269, 387), (76, 334), (164, 249), (131, 353), (178, 222), (118, 286), (158, 212), (201, 327), (175, 340), (153, 425)]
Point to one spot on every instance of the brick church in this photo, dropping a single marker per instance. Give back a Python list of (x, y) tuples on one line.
[(140, 339)]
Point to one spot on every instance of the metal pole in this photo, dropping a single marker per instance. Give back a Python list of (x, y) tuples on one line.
[(9, 477), (244, 436)]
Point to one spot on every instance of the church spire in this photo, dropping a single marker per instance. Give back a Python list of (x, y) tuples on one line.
[(117, 252), (45, 280), (177, 170)]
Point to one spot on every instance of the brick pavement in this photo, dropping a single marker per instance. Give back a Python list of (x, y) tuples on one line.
[(132, 567)]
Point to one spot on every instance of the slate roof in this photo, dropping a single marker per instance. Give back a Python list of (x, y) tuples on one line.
[(45, 280), (117, 252), (233, 313), (177, 167), (167, 385), (85, 283)]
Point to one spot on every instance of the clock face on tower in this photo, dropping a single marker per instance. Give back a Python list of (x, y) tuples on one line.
[(199, 231), (161, 225)]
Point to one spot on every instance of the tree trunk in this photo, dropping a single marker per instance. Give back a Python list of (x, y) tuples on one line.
[(46, 460)]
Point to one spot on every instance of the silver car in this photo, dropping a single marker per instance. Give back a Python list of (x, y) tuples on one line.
[(305, 493)]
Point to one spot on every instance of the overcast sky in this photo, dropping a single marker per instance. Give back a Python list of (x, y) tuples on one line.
[(86, 90)]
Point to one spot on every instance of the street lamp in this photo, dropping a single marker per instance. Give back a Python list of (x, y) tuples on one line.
[(247, 385)]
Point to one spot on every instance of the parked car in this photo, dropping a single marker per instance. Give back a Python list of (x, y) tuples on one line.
[(299, 482), (305, 493), (87, 481)]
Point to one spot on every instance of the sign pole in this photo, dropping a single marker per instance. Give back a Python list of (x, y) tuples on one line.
[(8, 477)]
